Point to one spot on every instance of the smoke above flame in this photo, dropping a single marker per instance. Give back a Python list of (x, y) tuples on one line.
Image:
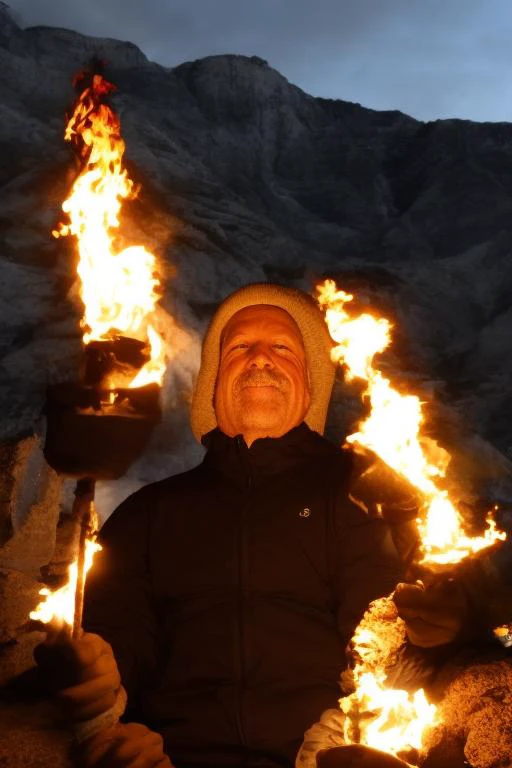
[(388, 719), (119, 286)]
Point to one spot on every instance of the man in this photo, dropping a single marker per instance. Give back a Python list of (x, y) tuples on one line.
[(228, 593)]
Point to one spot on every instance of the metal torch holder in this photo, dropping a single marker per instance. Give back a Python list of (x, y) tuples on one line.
[(96, 433)]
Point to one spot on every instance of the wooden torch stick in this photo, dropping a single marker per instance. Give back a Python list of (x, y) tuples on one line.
[(84, 509)]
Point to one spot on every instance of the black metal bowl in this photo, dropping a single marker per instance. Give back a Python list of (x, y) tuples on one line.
[(87, 436)]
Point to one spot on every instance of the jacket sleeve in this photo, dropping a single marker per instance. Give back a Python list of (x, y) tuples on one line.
[(368, 565), (118, 599)]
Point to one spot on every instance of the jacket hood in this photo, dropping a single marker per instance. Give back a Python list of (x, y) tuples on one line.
[(317, 345)]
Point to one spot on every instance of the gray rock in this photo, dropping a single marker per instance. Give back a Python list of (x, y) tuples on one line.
[(19, 594), (17, 657), (32, 498), (29, 738)]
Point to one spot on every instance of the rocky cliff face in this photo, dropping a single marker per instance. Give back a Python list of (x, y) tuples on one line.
[(246, 178)]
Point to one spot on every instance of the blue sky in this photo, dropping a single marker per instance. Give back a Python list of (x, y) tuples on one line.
[(429, 58)]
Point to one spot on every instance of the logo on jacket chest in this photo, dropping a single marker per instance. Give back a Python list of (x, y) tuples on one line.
[(306, 512)]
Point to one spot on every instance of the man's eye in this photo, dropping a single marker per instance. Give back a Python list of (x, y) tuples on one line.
[(240, 345), (281, 346)]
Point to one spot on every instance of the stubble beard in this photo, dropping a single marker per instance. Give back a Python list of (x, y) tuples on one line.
[(260, 398)]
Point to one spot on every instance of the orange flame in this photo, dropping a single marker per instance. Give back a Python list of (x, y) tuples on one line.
[(392, 430), (119, 287), (385, 718), (394, 720), (398, 718), (59, 606)]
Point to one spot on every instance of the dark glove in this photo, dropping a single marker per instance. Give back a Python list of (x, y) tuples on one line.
[(487, 580), (83, 673), (434, 615), (356, 756)]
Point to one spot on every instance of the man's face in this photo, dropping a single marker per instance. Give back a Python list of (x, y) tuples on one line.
[(262, 385)]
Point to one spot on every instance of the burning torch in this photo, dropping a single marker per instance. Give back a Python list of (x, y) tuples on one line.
[(376, 715), (100, 423)]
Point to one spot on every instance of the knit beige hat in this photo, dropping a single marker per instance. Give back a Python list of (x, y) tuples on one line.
[(317, 345)]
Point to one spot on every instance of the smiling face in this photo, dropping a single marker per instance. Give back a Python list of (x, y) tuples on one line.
[(262, 385)]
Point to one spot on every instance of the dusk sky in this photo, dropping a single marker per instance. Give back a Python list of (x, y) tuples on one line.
[(429, 58)]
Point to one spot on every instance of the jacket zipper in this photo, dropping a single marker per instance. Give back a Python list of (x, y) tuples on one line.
[(240, 608)]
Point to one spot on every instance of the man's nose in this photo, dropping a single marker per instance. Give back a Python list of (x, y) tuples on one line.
[(260, 356)]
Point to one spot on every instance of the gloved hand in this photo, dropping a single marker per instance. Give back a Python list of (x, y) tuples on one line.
[(126, 745), (82, 672), (356, 755), (434, 615)]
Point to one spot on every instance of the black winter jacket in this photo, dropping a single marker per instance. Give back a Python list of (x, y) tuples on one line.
[(230, 591)]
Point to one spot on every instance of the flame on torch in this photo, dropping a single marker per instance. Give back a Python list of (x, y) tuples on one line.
[(392, 430), (378, 716), (119, 287), (393, 721), (399, 718), (60, 604)]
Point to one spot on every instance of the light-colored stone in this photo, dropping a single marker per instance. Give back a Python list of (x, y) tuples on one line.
[(35, 506), (19, 594), (29, 737), (477, 710), (17, 656)]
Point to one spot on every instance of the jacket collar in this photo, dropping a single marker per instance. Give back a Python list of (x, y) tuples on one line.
[(267, 456)]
